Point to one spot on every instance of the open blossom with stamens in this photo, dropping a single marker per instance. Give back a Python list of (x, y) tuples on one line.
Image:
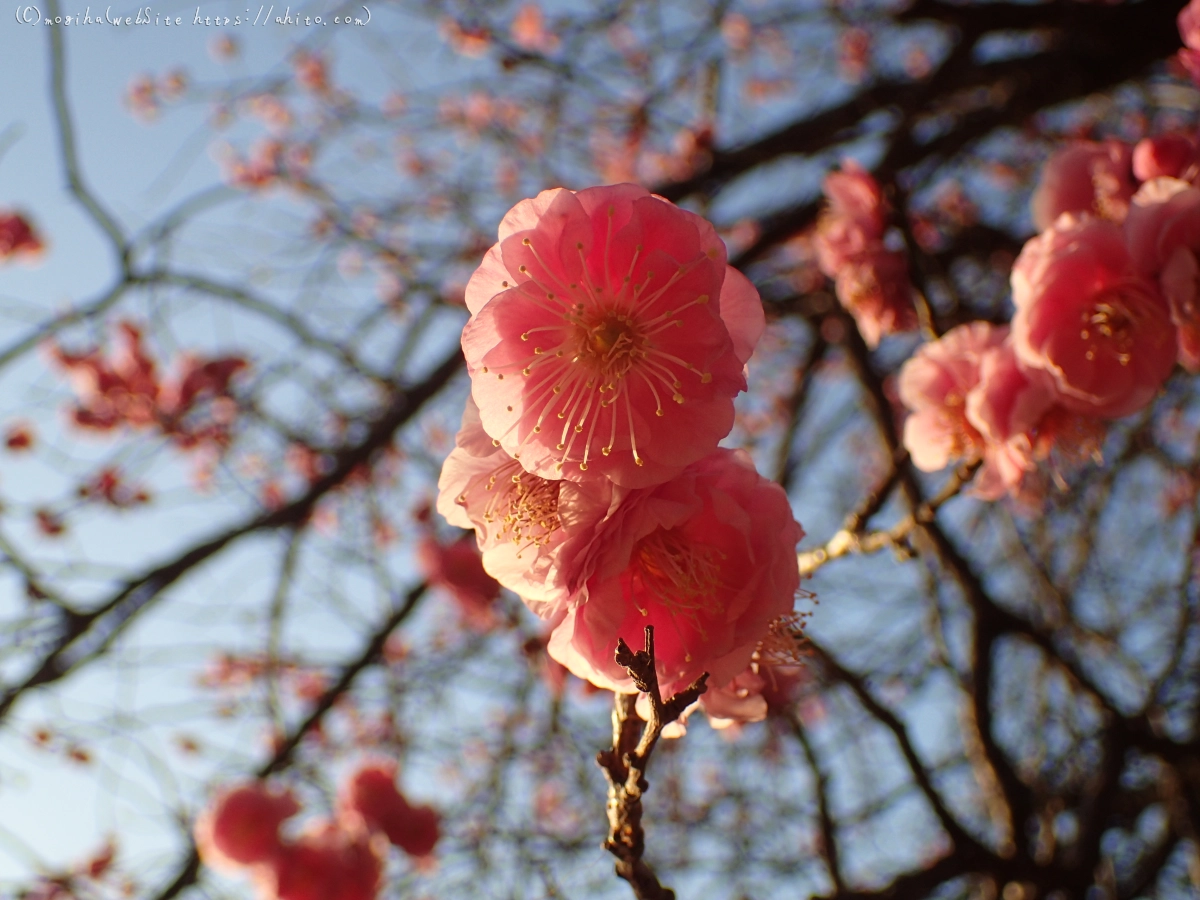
[(608, 336), (515, 513), (708, 559), (1085, 316)]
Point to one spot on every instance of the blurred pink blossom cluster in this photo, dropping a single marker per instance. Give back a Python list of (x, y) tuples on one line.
[(341, 858), (192, 405), (1106, 305), (871, 281), (608, 338)]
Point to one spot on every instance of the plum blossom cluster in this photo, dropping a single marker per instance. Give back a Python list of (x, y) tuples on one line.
[(1105, 304), (192, 405), (608, 338), (870, 279), (341, 858)]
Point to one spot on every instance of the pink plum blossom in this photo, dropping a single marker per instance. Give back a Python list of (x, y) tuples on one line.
[(871, 281), (608, 336), (1083, 314), (1163, 233), (972, 400), (240, 827), (1188, 22), (515, 513), (371, 792), (853, 222), (934, 385), (329, 861), (1086, 177), (708, 558), (1164, 156)]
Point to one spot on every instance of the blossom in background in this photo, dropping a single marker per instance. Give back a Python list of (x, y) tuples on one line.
[(871, 281), (708, 559), (1088, 319), (371, 792), (970, 400), (608, 336), (191, 405), (457, 569), (1085, 177), (1166, 155), (18, 240), (240, 827), (328, 861), (1188, 22), (1163, 233)]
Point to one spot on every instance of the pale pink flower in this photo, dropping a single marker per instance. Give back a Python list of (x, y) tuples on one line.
[(329, 861), (240, 827), (1163, 232), (515, 513), (934, 384), (608, 336), (1085, 316), (1167, 155), (1085, 177), (371, 793), (708, 558)]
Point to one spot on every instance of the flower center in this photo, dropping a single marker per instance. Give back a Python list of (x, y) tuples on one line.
[(682, 576), (523, 506), (1111, 324)]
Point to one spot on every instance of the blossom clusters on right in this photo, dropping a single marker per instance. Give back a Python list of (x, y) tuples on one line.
[(607, 340), (1105, 304)]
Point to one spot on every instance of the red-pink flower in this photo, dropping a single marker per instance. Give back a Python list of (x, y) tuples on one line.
[(329, 861), (515, 513), (457, 569), (1164, 156), (608, 336), (240, 827), (17, 237), (1085, 316), (708, 558), (1163, 232), (371, 793), (1085, 177)]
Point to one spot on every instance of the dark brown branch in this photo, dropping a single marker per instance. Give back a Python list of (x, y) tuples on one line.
[(626, 762)]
